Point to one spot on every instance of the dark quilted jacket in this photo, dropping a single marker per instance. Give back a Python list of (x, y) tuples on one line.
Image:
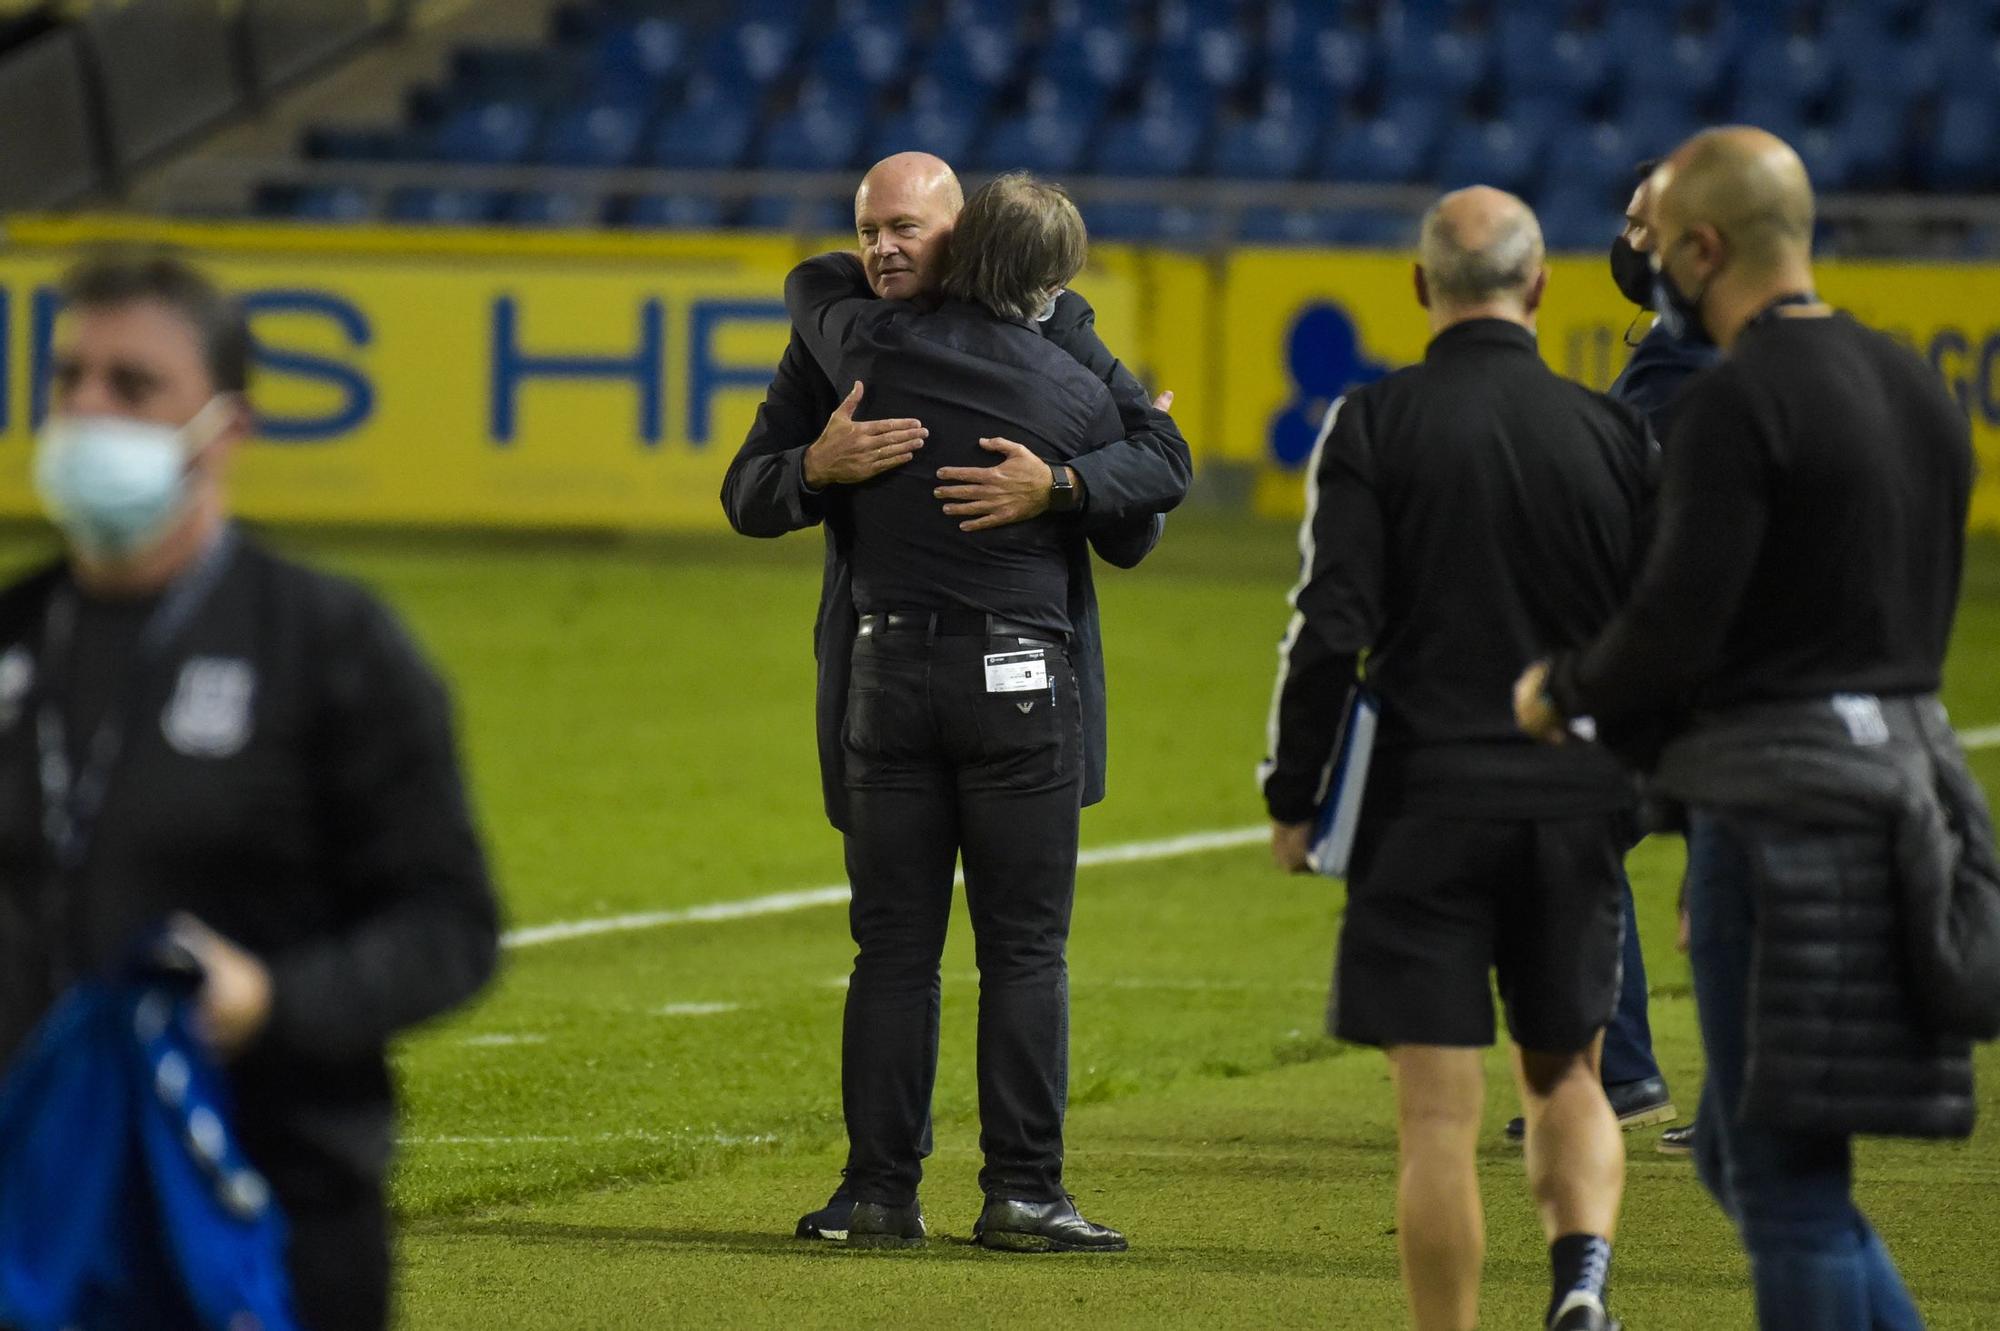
[(1877, 956)]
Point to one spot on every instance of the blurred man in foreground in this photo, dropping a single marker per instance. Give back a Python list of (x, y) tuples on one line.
[(1801, 591), (1459, 510), (199, 734), (808, 454)]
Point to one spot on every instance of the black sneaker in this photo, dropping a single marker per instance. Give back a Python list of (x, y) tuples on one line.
[(1677, 1140), (1638, 1104), (830, 1221), (875, 1225), (1011, 1225)]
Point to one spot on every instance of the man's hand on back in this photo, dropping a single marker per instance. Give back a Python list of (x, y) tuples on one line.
[(849, 452), (1014, 489)]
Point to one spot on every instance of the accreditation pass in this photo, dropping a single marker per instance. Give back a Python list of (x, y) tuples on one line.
[(1016, 672)]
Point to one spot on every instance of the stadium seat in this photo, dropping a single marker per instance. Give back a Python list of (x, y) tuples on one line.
[(1964, 155), (493, 133), (1218, 58), (784, 212), (1449, 63), (1781, 115), (496, 73), (637, 60), (931, 94), (1794, 66), (1967, 48), (1083, 100), (823, 133), (1577, 219), (1597, 163), (680, 212), (1375, 229), (1688, 65), (888, 13), (977, 53), (1656, 126), (1149, 145), (943, 133), (1308, 47), (1828, 161), (754, 52), (1046, 145), (1874, 131), (869, 56), (456, 207), (710, 131), (1102, 56), (1276, 145), (1290, 226), (602, 134), (543, 208), (1382, 150), (1492, 152), (337, 203)]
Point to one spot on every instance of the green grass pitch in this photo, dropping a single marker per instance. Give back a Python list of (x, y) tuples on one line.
[(623, 1131)]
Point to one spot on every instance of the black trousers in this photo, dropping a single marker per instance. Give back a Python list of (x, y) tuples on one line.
[(339, 1260), (939, 767)]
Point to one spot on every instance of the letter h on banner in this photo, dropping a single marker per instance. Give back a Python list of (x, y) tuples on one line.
[(511, 366)]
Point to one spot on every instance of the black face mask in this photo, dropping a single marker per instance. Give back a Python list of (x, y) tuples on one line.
[(1632, 272), (1682, 313)]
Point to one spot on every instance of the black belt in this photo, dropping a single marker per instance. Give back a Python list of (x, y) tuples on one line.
[(952, 624)]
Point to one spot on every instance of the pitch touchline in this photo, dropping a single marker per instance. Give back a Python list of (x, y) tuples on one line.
[(834, 894)]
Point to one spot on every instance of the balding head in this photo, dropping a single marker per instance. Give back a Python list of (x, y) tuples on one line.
[(903, 215), (1480, 255), (1748, 187)]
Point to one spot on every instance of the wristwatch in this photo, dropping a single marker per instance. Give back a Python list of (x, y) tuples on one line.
[(1063, 494)]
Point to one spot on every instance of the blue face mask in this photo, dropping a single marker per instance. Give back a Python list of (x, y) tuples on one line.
[(115, 485)]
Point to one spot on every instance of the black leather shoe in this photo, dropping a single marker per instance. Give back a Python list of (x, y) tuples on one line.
[(874, 1225), (830, 1221), (1638, 1104), (1677, 1140), (1011, 1225)]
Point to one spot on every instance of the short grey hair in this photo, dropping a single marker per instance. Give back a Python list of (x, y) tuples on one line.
[(1474, 269)]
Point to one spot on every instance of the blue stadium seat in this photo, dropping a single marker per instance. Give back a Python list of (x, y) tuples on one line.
[(1967, 47), (1165, 97), (1492, 152), (1828, 161), (1656, 126), (332, 203), (1790, 65), (888, 13), (1781, 115), (594, 134), (1274, 146), (1874, 131), (1598, 163), (493, 133), (543, 208), (637, 60), (1964, 154), (933, 95), (710, 131), (1382, 150), (458, 207), (977, 53), (1082, 99), (1000, 13), (823, 133), (753, 52), (942, 133), (1135, 222), (869, 56), (1308, 47), (1691, 66), (1046, 145), (1216, 57), (1450, 63), (1099, 55), (784, 212), (1290, 226), (1375, 229), (680, 212), (1149, 145), (1577, 220)]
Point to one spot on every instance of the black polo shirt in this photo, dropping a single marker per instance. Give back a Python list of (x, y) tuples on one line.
[(1464, 513)]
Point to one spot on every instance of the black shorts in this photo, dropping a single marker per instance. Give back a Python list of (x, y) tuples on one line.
[(1434, 904)]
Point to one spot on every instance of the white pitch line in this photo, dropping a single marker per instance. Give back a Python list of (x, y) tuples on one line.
[(835, 894), (538, 1139)]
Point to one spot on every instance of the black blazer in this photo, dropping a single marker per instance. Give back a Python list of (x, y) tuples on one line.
[(1129, 484)]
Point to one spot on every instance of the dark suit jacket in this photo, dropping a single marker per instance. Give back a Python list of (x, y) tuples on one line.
[(1128, 484)]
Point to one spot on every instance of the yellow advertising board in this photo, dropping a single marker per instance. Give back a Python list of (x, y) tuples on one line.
[(443, 384), (1303, 327)]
